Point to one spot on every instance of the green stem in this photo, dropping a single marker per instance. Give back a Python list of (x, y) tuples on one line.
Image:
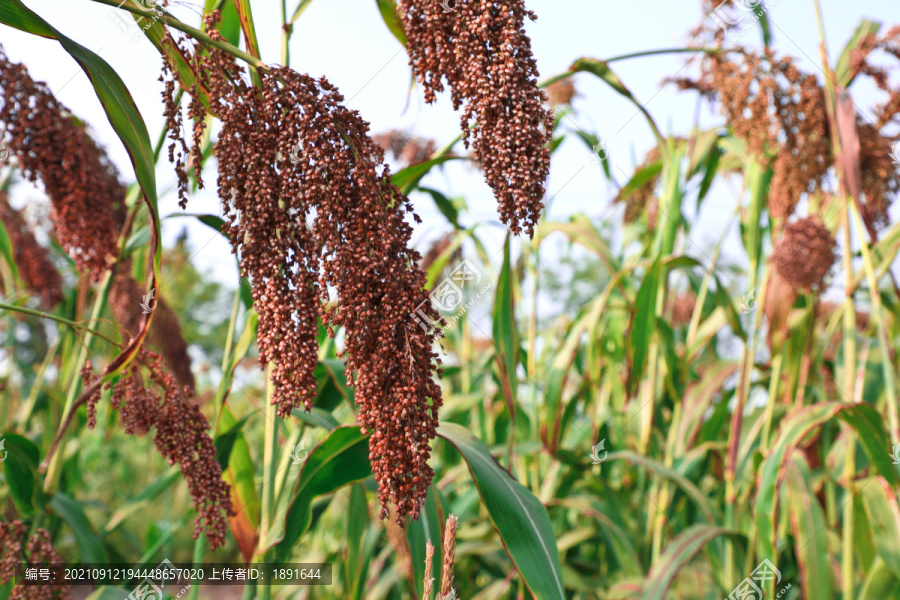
[(849, 340), (890, 385), (270, 468), (28, 406), (286, 30), (199, 547), (54, 470), (52, 317), (224, 383), (171, 21)]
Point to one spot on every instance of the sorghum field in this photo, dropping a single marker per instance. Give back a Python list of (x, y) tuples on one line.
[(625, 332)]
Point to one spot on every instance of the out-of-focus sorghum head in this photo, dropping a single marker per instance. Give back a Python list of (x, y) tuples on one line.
[(682, 306), (640, 199), (480, 49), (51, 146), (310, 207), (804, 254), (180, 435), (17, 548), (779, 112), (165, 335), (35, 267), (862, 62), (562, 92), (408, 149), (879, 174)]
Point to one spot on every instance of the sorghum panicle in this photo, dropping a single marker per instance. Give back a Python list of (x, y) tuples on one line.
[(640, 199), (779, 112), (38, 550), (165, 335), (50, 145), (33, 261), (180, 436), (408, 149), (804, 254), (481, 50), (310, 208)]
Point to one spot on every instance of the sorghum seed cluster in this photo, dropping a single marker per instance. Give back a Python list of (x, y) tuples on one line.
[(165, 329), (640, 199), (481, 50), (180, 436), (776, 110), (35, 267), (320, 230), (52, 146), (804, 254), (408, 149), (38, 550)]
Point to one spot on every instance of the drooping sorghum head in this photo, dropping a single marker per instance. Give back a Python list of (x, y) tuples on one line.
[(180, 435), (17, 548), (165, 335), (562, 92), (879, 174), (53, 147), (321, 232), (408, 149), (480, 49), (640, 199), (35, 267), (804, 254), (779, 112)]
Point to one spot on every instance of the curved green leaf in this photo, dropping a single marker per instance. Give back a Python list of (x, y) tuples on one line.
[(388, 10), (842, 72), (678, 553), (665, 472), (90, 548), (239, 475), (20, 458), (883, 516), (406, 179), (862, 417), (810, 533), (601, 69), (341, 458), (506, 338), (519, 517), (880, 583)]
